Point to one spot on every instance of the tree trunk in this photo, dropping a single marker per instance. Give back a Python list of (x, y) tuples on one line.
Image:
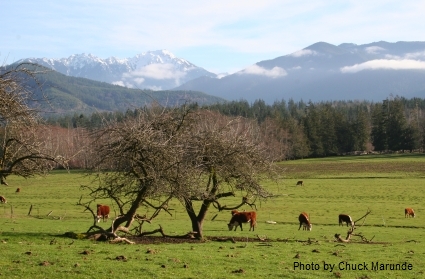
[(198, 220), (128, 217), (198, 228), (196, 223)]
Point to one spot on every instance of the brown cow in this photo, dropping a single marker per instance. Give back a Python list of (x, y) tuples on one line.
[(18, 190), (102, 212), (3, 199), (345, 218), (409, 212), (242, 217), (304, 222), (300, 183)]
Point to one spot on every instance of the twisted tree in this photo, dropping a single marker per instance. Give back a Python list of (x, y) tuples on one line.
[(23, 151), (136, 159)]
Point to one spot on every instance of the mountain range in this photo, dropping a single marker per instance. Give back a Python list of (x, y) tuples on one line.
[(155, 70), (319, 72), (324, 72)]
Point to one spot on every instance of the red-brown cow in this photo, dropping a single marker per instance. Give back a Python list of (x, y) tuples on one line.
[(242, 217), (102, 212), (304, 222), (345, 218), (18, 190), (3, 199), (409, 212)]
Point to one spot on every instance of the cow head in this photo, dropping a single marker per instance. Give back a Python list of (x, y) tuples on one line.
[(308, 226), (232, 225)]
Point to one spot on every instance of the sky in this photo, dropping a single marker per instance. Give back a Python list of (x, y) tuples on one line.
[(220, 36)]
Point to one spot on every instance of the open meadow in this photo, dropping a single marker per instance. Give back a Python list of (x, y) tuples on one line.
[(34, 246)]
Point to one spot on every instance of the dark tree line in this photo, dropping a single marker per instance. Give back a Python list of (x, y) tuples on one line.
[(311, 129)]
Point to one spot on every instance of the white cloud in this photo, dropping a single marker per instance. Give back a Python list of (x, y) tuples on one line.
[(124, 83), (385, 64), (163, 72), (374, 49), (296, 68), (139, 80), (415, 55), (257, 70), (222, 75), (303, 52), (156, 71), (120, 83)]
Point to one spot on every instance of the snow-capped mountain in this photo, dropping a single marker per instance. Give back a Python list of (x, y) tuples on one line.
[(323, 71), (157, 70)]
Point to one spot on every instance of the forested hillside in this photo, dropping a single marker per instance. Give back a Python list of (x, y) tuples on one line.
[(295, 130), (61, 94)]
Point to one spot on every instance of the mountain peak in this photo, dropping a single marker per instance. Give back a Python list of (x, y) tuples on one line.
[(323, 47), (163, 52)]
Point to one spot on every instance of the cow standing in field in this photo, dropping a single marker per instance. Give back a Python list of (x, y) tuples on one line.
[(304, 222), (18, 190), (301, 183), (242, 217), (102, 212), (3, 199), (345, 218), (409, 212)]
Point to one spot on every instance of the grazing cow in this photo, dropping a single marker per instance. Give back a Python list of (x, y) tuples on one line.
[(242, 217), (345, 218), (409, 212), (304, 222), (300, 183), (18, 190), (102, 212), (3, 199)]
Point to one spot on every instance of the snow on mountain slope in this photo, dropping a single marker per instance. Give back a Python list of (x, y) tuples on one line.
[(157, 70)]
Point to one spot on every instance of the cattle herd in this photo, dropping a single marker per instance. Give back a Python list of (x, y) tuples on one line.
[(240, 217)]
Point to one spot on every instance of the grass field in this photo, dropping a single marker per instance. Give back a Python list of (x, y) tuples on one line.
[(33, 246)]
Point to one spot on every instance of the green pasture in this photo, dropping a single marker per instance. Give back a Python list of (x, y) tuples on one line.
[(33, 246)]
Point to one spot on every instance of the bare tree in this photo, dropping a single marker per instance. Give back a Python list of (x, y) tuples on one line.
[(225, 157), (22, 151), (136, 158)]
